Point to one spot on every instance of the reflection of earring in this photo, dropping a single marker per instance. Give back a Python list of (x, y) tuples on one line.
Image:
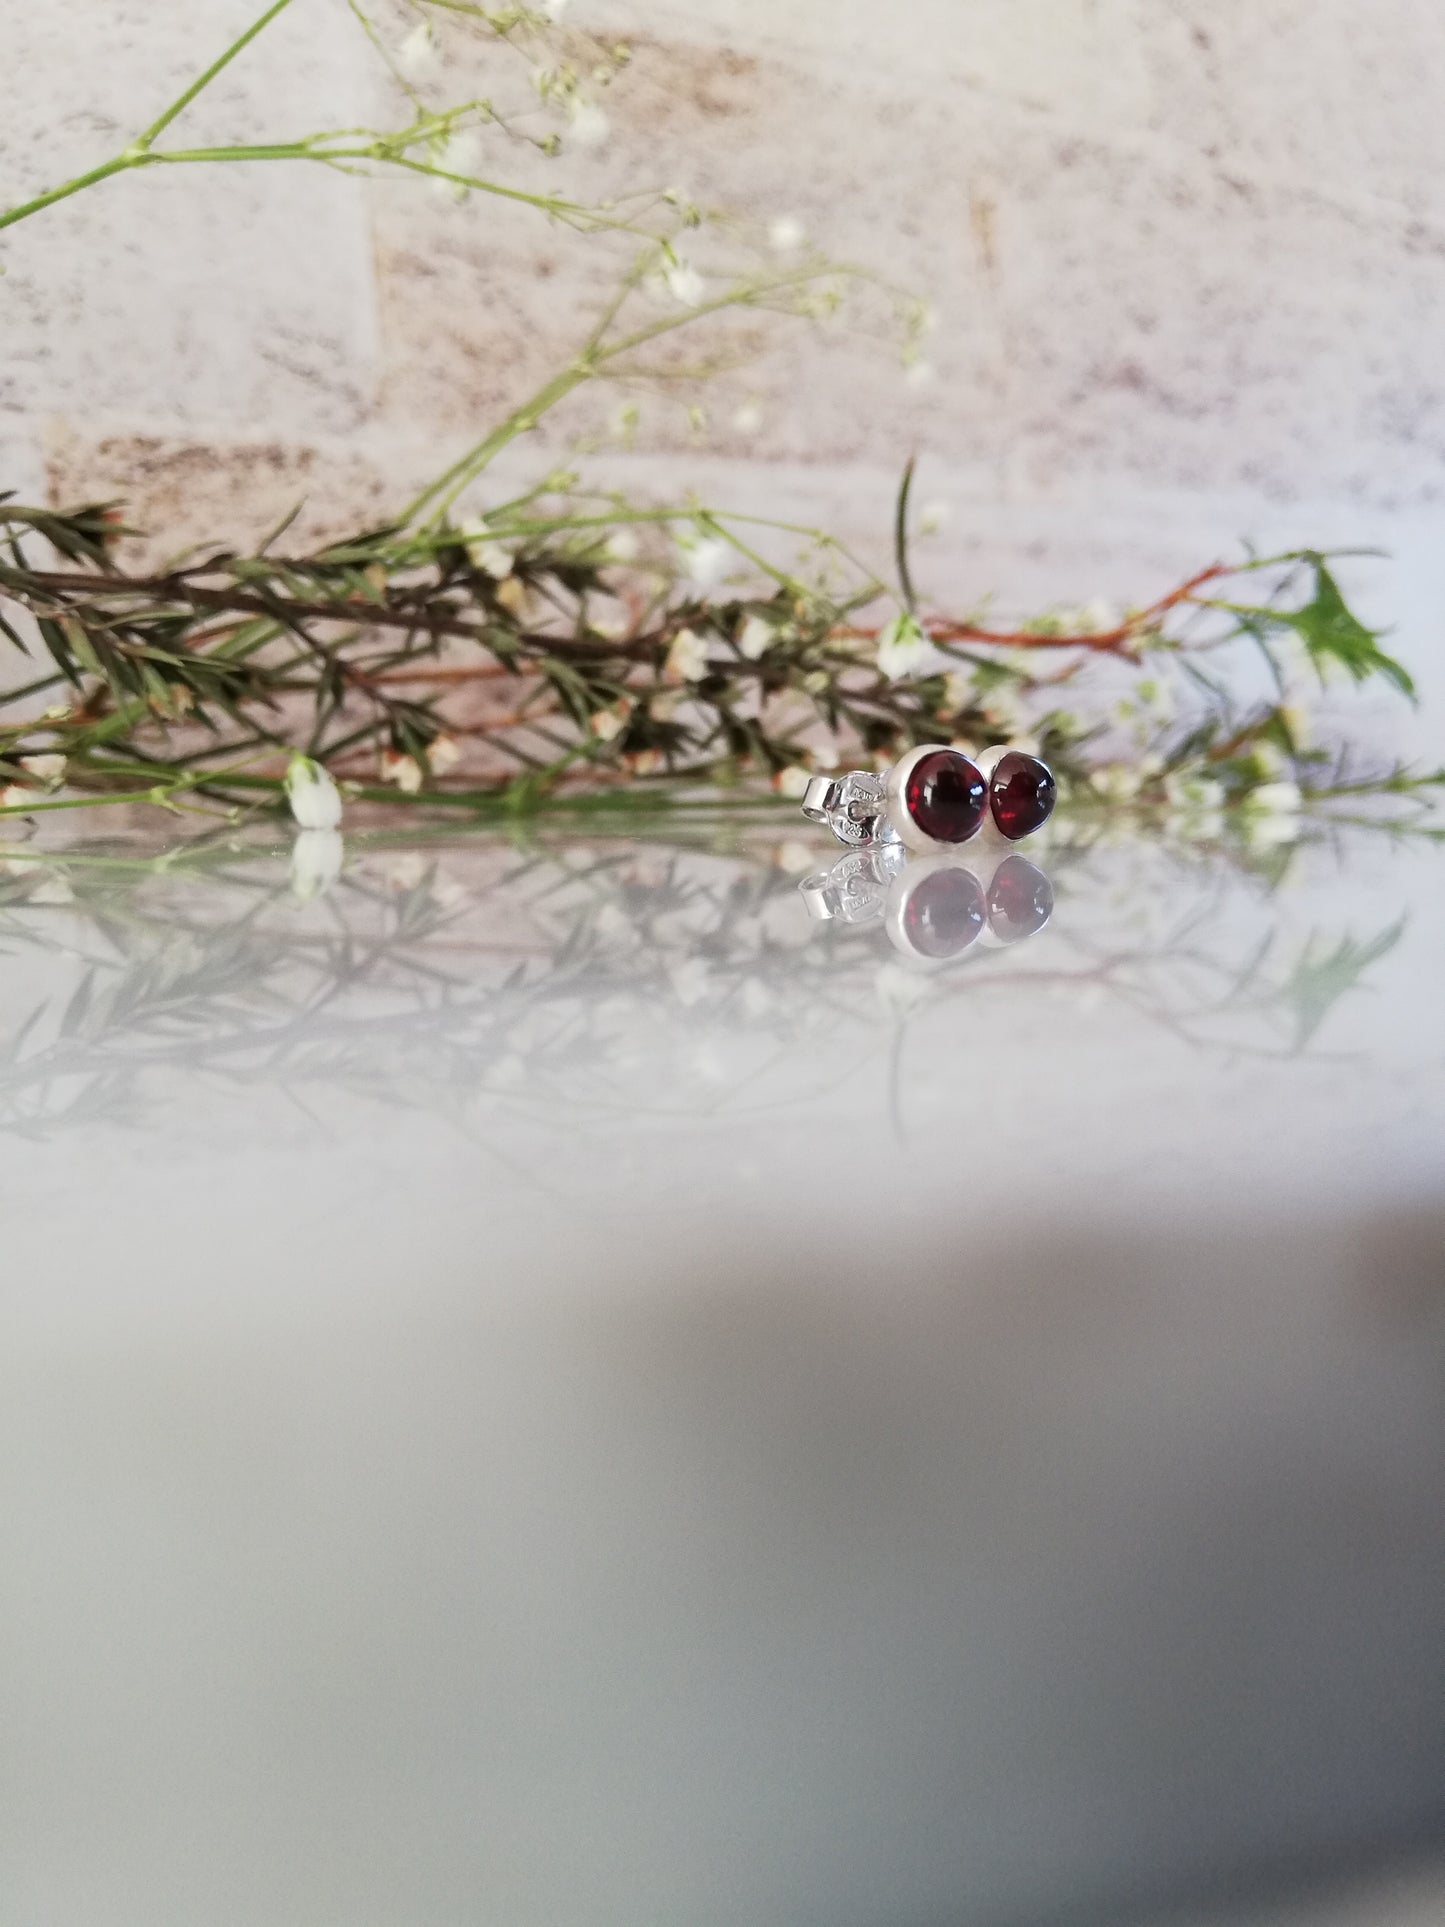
[(939, 908), (1020, 900), (853, 891), (937, 798)]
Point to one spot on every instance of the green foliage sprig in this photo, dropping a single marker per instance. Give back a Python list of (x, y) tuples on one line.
[(494, 653), (567, 643)]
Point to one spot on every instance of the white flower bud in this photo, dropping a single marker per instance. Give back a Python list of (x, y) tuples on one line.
[(590, 125), (902, 647), (756, 638), (404, 771), (313, 795), (608, 724), (417, 54), (687, 658), (684, 283), (47, 769), (707, 560), (443, 754)]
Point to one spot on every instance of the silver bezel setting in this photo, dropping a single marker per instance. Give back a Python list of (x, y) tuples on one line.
[(903, 824)]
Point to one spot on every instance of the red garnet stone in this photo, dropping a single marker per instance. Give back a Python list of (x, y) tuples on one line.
[(946, 796), (1022, 792), (944, 913)]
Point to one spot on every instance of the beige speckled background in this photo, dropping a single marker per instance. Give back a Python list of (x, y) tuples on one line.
[(1188, 261)]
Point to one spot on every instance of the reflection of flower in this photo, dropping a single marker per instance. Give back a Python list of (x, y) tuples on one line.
[(316, 858), (582, 973), (1276, 799), (1193, 793)]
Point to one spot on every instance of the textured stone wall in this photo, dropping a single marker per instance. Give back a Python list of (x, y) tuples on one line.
[(1178, 251)]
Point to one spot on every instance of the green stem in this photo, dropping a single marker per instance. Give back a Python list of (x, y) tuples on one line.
[(594, 357), (139, 154), (202, 81), (119, 165)]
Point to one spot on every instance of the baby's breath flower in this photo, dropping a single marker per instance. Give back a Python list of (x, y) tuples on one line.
[(459, 154), (919, 373), (47, 769), (404, 771), (902, 647), (312, 793), (622, 547), (15, 796), (684, 283), (707, 560), (687, 658), (512, 594), (590, 125), (417, 54), (608, 724), (443, 754), (490, 557), (792, 782), (756, 638), (932, 517), (749, 418), (785, 234), (958, 691)]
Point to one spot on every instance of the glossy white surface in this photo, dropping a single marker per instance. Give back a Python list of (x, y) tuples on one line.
[(540, 1384)]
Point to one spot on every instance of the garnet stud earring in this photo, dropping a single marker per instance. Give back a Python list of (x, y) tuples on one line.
[(936, 798)]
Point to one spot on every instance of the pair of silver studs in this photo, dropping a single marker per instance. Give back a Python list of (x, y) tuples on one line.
[(936, 798)]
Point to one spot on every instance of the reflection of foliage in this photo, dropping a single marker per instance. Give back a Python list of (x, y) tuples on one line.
[(473, 972), (1323, 975)]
